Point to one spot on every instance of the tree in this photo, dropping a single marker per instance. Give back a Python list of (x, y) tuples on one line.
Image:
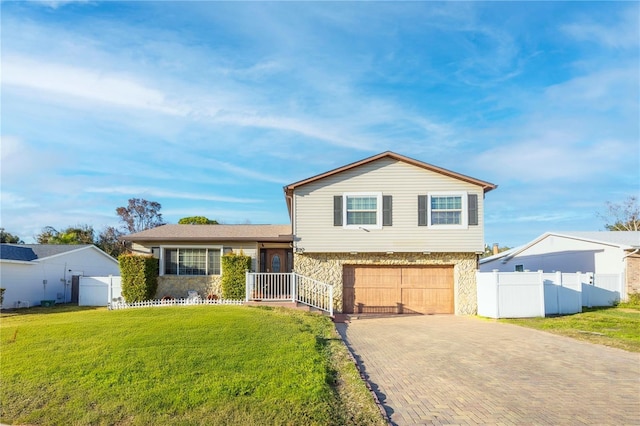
[(79, 234), (140, 214), (109, 241), (488, 250), (624, 216), (197, 220), (6, 237)]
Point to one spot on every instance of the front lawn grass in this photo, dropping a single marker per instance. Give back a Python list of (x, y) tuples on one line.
[(618, 327), (178, 365)]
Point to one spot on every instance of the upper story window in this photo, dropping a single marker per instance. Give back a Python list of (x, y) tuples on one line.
[(448, 210), (361, 209), (191, 261)]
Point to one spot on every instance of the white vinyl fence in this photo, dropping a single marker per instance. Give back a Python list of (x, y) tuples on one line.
[(99, 291), (537, 294)]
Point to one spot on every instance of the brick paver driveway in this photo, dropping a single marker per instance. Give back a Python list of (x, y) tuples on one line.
[(464, 370)]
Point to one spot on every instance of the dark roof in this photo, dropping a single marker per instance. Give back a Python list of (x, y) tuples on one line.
[(16, 252), (29, 252), (288, 190), (264, 233)]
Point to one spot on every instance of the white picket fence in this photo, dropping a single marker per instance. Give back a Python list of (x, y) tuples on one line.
[(172, 302), (537, 294)]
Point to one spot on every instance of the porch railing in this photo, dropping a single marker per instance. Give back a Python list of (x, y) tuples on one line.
[(289, 287)]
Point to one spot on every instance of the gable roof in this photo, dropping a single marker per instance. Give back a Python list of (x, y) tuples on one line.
[(186, 233), (626, 240), (34, 252), (288, 189)]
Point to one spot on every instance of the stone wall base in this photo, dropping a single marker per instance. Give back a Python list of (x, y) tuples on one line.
[(178, 286), (327, 268)]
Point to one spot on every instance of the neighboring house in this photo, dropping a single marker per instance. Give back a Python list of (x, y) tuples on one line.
[(389, 233), (190, 254), (604, 252), (35, 272)]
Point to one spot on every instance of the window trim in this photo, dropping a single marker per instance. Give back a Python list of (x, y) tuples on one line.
[(378, 224), (464, 219), (163, 249)]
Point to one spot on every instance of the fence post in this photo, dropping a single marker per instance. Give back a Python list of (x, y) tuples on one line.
[(541, 280), (558, 290), (496, 285), (246, 285), (589, 287), (110, 293)]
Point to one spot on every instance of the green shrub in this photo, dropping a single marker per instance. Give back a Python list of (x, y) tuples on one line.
[(139, 277), (2, 295), (633, 301), (234, 267)]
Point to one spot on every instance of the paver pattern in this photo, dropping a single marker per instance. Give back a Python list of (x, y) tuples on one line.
[(445, 370)]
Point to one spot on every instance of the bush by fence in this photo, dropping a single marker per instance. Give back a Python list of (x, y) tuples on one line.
[(139, 277)]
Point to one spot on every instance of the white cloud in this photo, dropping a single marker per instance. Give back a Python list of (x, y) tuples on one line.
[(94, 85), (621, 32), (134, 191)]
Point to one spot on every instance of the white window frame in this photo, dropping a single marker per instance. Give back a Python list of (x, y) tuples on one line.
[(170, 247), (378, 196), (464, 219)]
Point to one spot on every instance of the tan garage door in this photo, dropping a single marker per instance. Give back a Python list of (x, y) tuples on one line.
[(398, 289)]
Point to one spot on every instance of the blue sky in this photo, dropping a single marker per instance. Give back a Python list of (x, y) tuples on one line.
[(210, 108)]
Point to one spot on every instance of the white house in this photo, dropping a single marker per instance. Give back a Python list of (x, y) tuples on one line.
[(602, 252), (31, 273)]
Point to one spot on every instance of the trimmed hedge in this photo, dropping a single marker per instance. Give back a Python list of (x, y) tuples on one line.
[(139, 277), (234, 267)]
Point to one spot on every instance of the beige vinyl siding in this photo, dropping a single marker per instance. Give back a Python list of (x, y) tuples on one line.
[(313, 212)]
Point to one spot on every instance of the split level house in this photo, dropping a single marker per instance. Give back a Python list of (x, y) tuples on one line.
[(389, 233)]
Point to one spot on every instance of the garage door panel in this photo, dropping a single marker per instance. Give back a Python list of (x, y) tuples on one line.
[(398, 289), (427, 301), (375, 300)]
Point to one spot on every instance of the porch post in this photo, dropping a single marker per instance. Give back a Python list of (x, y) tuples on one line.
[(294, 287)]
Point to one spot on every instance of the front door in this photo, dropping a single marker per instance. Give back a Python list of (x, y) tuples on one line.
[(275, 260)]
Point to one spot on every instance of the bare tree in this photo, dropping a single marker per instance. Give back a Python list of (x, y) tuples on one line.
[(624, 216), (109, 241), (140, 214)]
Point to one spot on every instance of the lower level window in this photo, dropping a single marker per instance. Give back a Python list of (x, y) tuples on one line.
[(192, 261)]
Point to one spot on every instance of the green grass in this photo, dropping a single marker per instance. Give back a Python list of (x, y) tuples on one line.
[(618, 327), (177, 365)]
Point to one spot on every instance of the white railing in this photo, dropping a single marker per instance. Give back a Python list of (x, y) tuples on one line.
[(120, 304), (293, 287)]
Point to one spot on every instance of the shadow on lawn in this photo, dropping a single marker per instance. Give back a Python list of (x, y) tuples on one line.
[(55, 309)]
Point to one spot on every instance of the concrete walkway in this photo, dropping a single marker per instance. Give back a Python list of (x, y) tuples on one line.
[(436, 370)]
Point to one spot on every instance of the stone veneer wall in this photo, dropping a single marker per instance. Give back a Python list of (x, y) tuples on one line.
[(178, 285), (633, 274), (327, 268)]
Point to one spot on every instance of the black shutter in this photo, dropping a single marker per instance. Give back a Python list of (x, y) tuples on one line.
[(422, 210), (337, 210), (387, 209), (472, 207)]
